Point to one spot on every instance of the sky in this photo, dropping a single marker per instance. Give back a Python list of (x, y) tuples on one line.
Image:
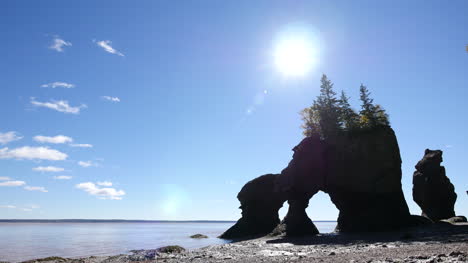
[(163, 110)]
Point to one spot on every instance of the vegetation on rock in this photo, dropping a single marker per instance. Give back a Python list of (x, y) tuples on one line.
[(330, 115)]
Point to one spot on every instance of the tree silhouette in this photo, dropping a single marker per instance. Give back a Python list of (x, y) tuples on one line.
[(329, 116), (349, 117)]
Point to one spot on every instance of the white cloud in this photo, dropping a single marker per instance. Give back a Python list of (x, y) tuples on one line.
[(60, 105), (63, 177), (86, 164), (54, 139), (9, 137), (101, 193), (58, 44), (26, 209), (30, 153), (7, 206), (4, 178), (36, 188), (12, 183), (113, 99), (105, 183), (58, 84), (52, 169), (82, 145), (106, 45)]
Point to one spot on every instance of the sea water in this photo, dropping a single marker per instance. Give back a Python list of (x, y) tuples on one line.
[(24, 241)]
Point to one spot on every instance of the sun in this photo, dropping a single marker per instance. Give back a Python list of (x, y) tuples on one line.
[(295, 55)]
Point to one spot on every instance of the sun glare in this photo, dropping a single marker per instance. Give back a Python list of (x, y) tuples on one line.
[(295, 54)]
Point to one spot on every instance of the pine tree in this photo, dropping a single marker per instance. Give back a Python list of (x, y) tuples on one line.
[(349, 118), (381, 116), (328, 109), (367, 109), (371, 115)]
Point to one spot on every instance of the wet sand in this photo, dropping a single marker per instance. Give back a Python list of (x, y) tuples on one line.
[(435, 243)]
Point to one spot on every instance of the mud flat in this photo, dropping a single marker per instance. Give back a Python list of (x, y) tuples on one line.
[(441, 242)]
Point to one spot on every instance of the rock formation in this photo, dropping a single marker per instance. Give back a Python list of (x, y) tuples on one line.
[(260, 204), (361, 171), (432, 189)]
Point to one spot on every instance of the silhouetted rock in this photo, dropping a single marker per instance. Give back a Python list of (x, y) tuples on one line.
[(300, 180), (197, 236), (361, 171), (432, 189), (260, 205)]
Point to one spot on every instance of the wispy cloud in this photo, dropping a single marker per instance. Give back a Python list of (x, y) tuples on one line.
[(24, 209), (58, 44), (106, 45), (81, 145), (12, 183), (63, 177), (9, 137), (53, 139), (105, 183), (52, 169), (86, 163), (36, 188), (4, 178), (58, 84), (59, 105), (31, 153), (8, 206), (101, 193), (109, 98)]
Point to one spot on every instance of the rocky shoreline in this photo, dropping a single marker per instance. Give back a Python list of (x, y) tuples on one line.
[(441, 242)]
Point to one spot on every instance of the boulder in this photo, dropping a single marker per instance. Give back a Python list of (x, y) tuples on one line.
[(260, 203), (432, 189)]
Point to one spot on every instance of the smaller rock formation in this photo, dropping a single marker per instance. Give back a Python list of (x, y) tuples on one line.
[(198, 236), (432, 189), (260, 204)]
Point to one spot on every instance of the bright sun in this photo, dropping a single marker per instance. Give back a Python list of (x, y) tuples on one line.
[(295, 55)]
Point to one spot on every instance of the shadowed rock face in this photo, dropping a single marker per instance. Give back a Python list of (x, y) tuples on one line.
[(260, 205), (360, 171), (432, 189)]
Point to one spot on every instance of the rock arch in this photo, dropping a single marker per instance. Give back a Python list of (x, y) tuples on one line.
[(361, 171)]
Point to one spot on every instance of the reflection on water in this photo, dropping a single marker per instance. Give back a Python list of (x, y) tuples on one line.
[(23, 241)]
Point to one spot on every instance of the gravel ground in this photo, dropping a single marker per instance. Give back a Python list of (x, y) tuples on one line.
[(436, 243)]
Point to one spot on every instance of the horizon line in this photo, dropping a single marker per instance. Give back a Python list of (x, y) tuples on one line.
[(127, 220)]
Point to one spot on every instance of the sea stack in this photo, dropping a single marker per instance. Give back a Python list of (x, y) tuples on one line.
[(432, 189)]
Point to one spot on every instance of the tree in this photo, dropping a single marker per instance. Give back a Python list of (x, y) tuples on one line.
[(371, 115), (367, 119), (349, 118), (328, 109), (311, 119), (381, 116)]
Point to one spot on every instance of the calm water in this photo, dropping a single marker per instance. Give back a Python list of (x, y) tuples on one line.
[(23, 241)]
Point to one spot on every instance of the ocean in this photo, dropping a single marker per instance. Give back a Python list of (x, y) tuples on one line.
[(24, 241)]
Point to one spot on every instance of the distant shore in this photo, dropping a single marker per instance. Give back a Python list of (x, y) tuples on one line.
[(442, 242), (110, 221)]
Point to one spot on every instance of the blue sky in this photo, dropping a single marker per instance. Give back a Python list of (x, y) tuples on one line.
[(182, 103)]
